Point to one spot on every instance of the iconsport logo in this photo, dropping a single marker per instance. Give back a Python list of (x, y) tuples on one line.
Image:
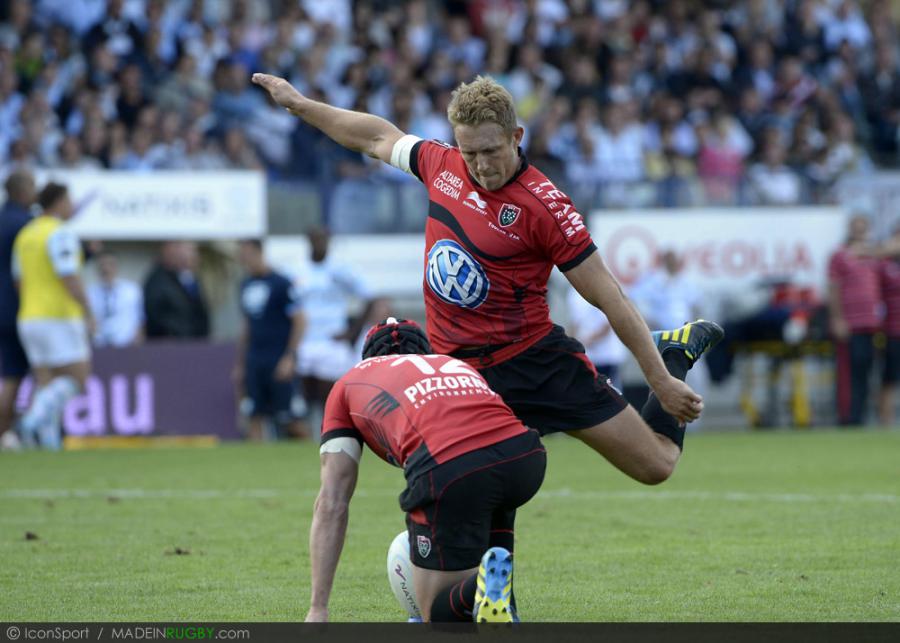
[(454, 275)]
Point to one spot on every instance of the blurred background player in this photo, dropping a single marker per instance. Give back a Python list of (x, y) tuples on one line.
[(55, 321), (267, 347), (117, 304), (591, 327), (326, 290), (854, 300), (461, 449), (665, 296), (15, 215), (667, 299), (377, 310), (174, 303)]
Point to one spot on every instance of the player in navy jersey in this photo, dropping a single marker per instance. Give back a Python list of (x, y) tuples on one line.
[(496, 227), (469, 463), (273, 327)]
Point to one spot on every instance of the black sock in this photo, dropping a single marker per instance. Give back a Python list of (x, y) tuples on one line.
[(678, 365), (455, 603)]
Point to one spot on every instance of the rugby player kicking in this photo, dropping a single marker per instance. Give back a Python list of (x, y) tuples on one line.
[(496, 227), (468, 462)]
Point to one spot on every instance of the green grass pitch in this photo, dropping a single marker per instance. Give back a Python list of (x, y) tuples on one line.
[(781, 527)]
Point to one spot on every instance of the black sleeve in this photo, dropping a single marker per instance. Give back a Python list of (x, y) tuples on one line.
[(342, 433), (414, 160), (574, 263)]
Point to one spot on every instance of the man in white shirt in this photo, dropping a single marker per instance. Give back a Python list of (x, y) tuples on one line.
[(117, 304), (602, 346), (326, 290), (666, 294)]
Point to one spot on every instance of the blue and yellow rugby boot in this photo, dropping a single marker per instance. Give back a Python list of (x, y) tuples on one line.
[(694, 338), (493, 592)]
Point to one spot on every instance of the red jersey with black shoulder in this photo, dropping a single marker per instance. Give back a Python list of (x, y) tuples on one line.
[(489, 254), (417, 411)]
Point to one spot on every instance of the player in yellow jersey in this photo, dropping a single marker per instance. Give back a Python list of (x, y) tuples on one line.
[(54, 319)]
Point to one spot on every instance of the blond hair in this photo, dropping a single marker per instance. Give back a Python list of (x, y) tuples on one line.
[(484, 100)]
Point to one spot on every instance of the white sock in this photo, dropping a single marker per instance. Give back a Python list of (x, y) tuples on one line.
[(47, 407), (50, 434), (32, 419)]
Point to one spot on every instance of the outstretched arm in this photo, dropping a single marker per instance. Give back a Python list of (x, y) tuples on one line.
[(357, 131), (329, 527), (595, 283)]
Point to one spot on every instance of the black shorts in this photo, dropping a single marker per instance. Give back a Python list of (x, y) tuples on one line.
[(268, 397), (553, 386), (455, 510), (13, 361), (891, 373)]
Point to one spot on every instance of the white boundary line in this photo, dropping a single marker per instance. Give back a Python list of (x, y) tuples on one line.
[(548, 494)]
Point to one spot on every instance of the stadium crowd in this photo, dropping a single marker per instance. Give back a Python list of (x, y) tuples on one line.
[(624, 103)]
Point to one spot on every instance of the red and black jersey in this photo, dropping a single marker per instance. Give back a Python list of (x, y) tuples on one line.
[(417, 411), (489, 254)]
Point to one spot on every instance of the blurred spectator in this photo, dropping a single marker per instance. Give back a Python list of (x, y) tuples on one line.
[(619, 147), (174, 303), (724, 144), (854, 299), (803, 35), (238, 153), (759, 74), (115, 31), (841, 155), (234, 102), (846, 25), (117, 304), (15, 214), (267, 349), (71, 156), (590, 326), (881, 95), (183, 85), (771, 181)]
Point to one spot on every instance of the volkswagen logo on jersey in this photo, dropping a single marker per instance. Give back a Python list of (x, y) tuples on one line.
[(454, 276)]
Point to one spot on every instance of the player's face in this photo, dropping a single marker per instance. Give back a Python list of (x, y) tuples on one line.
[(66, 208), (491, 155)]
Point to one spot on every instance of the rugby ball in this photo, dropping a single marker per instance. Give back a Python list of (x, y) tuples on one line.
[(399, 570)]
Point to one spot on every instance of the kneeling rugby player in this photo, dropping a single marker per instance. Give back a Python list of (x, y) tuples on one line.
[(469, 463)]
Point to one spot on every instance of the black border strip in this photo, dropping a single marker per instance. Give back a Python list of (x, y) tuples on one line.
[(402, 632), (342, 433)]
